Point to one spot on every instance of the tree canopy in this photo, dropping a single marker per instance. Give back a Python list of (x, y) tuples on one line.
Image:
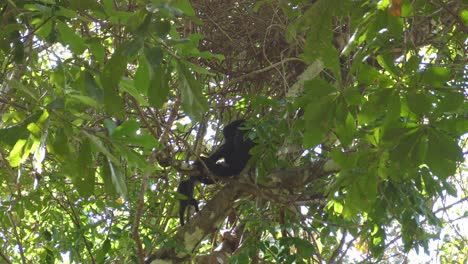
[(358, 110)]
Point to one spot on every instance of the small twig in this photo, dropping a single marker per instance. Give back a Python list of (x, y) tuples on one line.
[(18, 239), (5, 258), (139, 213), (272, 66)]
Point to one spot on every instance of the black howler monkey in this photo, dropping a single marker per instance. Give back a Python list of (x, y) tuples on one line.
[(234, 151)]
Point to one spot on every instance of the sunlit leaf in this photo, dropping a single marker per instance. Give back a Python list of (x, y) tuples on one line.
[(16, 153)]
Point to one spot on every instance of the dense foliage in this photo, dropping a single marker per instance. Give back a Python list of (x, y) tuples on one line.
[(358, 109)]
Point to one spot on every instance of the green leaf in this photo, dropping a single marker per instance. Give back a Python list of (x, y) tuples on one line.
[(331, 60), (435, 76), (35, 130), (448, 145), (367, 74), (345, 131), (146, 141), (319, 38), (118, 179), (84, 5), (142, 76), (60, 144), (110, 126), (97, 49), (452, 190), (352, 96), (111, 76), (18, 52), (304, 247), (317, 88), (158, 91), (131, 156), (453, 126), (368, 187), (68, 37), (419, 152), (100, 146), (92, 87), (131, 48), (185, 6), (431, 185), (162, 27), (318, 116), (347, 161), (464, 16), (352, 202), (419, 103), (56, 104), (103, 251), (11, 134), (66, 12), (443, 154), (387, 62), (128, 86), (193, 102), (412, 64), (164, 10), (83, 175), (404, 147), (16, 154), (83, 99), (128, 128), (450, 101), (138, 23), (107, 178), (45, 29), (154, 56)]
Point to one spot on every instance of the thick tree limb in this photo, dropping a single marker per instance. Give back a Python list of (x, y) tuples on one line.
[(218, 208)]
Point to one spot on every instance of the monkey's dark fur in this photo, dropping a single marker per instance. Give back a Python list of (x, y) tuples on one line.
[(234, 151)]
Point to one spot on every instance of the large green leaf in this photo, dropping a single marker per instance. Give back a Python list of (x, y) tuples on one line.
[(436, 76), (91, 86), (317, 88), (128, 128), (318, 116), (450, 101), (83, 176), (12, 133), (69, 37), (117, 179), (142, 76), (111, 76), (443, 154), (158, 89), (193, 102), (419, 103)]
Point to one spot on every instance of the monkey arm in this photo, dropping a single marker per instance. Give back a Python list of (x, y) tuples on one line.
[(221, 152)]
